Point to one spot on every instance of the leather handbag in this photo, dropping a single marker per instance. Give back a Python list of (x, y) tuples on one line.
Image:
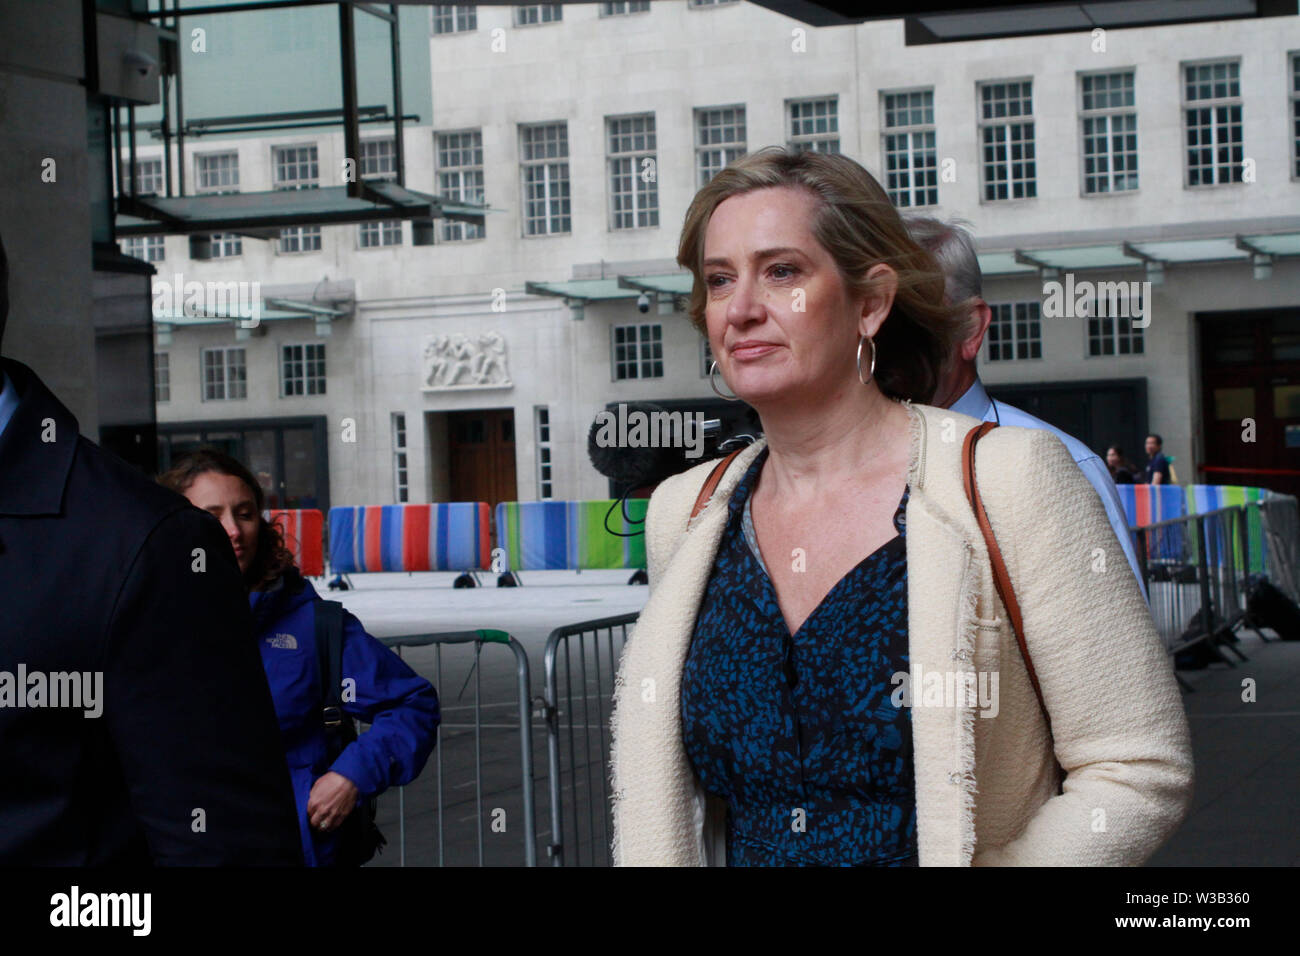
[(1001, 579)]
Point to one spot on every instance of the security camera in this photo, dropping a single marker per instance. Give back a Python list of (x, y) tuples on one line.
[(643, 302), (140, 62)]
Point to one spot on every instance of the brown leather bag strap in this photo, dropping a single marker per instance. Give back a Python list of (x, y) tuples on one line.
[(711, 484), (1001, 579)]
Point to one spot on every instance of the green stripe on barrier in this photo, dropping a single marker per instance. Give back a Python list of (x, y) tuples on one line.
[(492, 636)]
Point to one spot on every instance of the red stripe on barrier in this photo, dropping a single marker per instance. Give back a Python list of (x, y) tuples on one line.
[(1142, 499), (415, 538), (311, 536), (374, 538)]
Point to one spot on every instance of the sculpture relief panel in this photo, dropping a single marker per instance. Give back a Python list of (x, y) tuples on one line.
[(459, 361)]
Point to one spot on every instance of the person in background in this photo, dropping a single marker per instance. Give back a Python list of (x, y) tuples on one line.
[(401, 706), (1122, 471), (106, 575), (1157, 471), (960, 388)]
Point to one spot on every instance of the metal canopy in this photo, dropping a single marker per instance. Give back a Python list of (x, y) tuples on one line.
[(1153, 254), (248, 213), (582, 290)]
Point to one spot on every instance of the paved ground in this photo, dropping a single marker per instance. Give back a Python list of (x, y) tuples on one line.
[(1247, 754)]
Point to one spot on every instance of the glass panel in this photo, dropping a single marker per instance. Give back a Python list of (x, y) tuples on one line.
[(1286, 401), (1234, 404), (300, 468), (259, 458)]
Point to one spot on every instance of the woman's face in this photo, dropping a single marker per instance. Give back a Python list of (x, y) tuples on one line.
[(232, 503), (1112, 457), (780, 321)]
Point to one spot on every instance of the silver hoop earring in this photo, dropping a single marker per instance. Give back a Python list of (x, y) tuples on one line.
[(714, 385), (871, 373)]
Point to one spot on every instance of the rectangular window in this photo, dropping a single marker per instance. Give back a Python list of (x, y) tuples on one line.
[(1295, 115), (719, 138), (302, 369), (1110, 320), (1007, 139), (542, 422), (545, 159), (401, 490), (215, 174), (814, 124), (162, 377), (710, 3), (1212, 120), (911, 158), (460, 178), (623, 7), (1014, 332), (455, 19), (1108, 121), (538, 13), (706, 356), (225, 376), (633, 176), (379, 161), (148, 176), (148, 248), (638, 351), (296, 167)]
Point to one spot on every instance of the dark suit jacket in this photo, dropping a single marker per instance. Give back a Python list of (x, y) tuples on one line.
[(97, 574)]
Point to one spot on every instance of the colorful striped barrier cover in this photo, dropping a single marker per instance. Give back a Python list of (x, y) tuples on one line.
[(1204, 498), (560, 535), (304, 535), (447, 536), (1147, 504)]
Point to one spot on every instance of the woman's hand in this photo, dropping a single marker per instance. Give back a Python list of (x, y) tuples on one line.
[(331, 799)]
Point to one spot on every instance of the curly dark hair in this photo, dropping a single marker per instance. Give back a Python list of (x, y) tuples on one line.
[(272, 558)]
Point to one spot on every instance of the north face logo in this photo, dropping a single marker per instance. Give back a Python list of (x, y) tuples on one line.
[(283, 641)]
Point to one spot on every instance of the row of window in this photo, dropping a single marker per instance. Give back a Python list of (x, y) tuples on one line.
[(225, 372), (463, 17), (1015, 332), (1107, 112)]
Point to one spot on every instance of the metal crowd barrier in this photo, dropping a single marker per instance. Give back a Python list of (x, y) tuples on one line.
[(522, 704), (580, 665), (1197, 569), (1279, 517)]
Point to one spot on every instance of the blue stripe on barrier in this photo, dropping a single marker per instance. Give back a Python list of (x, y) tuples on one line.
[(342, 534)]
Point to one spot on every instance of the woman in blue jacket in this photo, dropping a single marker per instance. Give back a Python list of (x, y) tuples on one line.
[(378, 686)]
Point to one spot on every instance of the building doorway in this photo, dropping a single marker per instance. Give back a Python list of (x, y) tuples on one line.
[(481, 456), (1250, 373)]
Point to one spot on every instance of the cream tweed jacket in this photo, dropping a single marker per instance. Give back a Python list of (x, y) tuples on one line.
[(985, 787)]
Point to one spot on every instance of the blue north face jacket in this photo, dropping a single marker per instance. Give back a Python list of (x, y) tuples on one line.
[(401, 706)]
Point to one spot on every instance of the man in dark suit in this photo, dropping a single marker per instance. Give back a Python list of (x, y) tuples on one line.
[(136, 725)]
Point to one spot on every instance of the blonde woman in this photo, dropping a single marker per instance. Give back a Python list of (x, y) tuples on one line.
[(787, 697)]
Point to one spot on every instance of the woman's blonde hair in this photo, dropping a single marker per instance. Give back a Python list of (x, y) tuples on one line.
[(857, 224)]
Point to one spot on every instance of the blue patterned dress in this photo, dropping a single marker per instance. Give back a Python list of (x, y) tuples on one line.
[(798, 734)]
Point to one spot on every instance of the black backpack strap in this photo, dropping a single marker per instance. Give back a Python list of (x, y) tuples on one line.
[(329, 658)]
